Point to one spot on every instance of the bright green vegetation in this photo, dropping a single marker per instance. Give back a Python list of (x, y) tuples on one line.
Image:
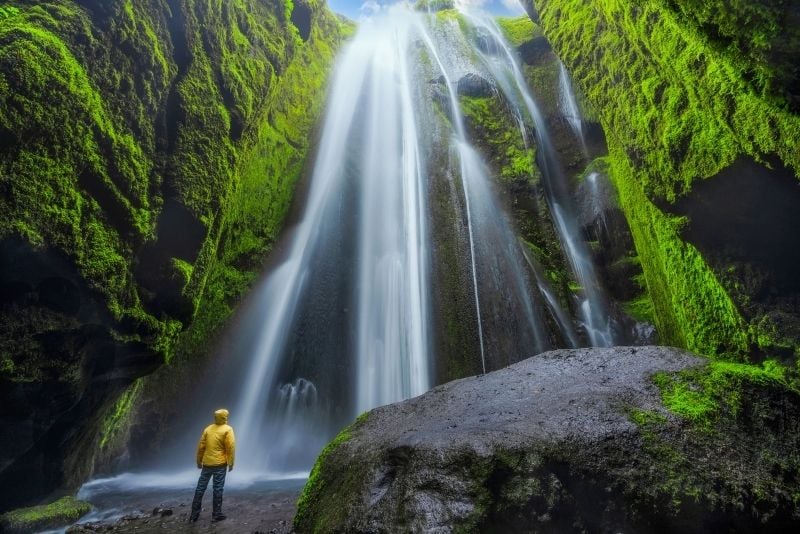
[(641, 308), (270, 165), (681, 110), (704, 395), (89, 165), (691, 308), (119, 414), (753, 35), (518, 30), (494, 130), (729, 406), (86, 179), (492, 126), (271, 159), (676, 108), (36, 518)]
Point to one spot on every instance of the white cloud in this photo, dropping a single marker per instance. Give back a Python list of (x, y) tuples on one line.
[(370, 7)]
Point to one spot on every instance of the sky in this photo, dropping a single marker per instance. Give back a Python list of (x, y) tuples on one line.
[(355, 8)]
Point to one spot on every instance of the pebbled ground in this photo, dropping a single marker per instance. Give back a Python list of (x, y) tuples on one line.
[(248, 512)]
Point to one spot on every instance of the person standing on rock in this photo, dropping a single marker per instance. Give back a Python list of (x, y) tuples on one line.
[(215, 456)]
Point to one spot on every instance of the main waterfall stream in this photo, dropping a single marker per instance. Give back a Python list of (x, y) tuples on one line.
[(345, 319)]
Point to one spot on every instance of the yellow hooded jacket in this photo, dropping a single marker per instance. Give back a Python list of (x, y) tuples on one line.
[(217, 445)]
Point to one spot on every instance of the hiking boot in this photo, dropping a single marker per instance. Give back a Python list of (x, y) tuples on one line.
[(219, 517), (194, 517)]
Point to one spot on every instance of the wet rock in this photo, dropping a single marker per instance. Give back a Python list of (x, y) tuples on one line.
[(474, 85), (558, 443), (535, 51)]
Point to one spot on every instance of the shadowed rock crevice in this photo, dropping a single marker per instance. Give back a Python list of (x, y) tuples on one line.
[(301, 18), (742, 220)]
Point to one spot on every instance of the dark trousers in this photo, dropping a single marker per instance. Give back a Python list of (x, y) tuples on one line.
[(219, 483)]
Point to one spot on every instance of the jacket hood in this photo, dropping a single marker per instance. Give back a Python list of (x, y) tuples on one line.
[(221, 417)]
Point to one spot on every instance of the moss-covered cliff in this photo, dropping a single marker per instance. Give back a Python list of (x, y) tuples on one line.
[(698, 102), (148, 152)]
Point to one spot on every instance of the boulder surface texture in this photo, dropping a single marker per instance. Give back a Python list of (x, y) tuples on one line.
[(567, 441)]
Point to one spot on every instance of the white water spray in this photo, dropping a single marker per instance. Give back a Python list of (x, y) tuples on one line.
[(569, 106)]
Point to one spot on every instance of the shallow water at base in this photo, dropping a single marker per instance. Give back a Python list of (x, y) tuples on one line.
[(129, 493)]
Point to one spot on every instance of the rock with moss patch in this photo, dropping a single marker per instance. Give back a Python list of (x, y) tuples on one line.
[(572, 441), (37, 518)]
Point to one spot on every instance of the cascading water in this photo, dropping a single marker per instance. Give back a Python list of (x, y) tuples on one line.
[(596, 200), (593, 308), (569, 106), (355, 279)]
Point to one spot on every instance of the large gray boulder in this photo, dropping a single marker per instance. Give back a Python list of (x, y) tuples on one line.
[(570, 441)]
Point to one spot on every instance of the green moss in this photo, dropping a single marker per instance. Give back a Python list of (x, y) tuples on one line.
[(685, 110), (8, 11), (671, 471), (704, 395), (691, 308), (641, 308), (71, 145), (59, 513), (754, 35), (117, 418), (725, 405), (518, 30), (268, 168), (492, 127), (319, 484)]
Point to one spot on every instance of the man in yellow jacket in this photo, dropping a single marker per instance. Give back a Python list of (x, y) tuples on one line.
[(215, 455)]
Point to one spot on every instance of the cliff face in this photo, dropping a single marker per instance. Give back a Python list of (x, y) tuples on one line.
[(699, 104), (148, 152)]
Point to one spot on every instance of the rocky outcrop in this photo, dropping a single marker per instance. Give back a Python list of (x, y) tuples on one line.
[(590, 440), (134, 138)]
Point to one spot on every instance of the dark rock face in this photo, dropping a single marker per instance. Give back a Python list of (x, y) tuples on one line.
[(69, 365), (534, 51), (549, 445), (474, 85)]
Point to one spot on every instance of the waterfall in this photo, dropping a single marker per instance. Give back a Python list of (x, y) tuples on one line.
[(392, 279), (344, 318), (342, 322), (593, 308), (569, 106)]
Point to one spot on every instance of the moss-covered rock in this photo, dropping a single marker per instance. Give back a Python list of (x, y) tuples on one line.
[(38, 518), (148, 152), (646, 439)]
